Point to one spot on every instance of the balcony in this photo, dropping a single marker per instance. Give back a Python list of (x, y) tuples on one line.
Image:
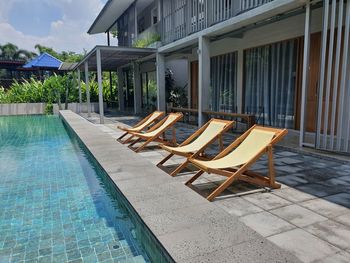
[(184, 17)]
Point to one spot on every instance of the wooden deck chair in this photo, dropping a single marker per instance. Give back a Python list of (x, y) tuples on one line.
[(237, 158), (154, 134), (196, 144), (140, 126)]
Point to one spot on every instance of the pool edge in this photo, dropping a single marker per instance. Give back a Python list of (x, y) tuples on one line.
[(185, 245)]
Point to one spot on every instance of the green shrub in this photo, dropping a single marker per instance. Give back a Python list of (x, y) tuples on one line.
[(54, 90), (49, 109), (148, 40)]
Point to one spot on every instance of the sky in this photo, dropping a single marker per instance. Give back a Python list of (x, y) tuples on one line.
[(60, 24)]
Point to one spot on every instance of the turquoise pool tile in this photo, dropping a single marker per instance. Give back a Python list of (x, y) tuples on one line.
[(55, 205)]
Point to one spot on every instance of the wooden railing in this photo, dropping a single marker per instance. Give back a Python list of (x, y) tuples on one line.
[(247, 119), (184, 17)]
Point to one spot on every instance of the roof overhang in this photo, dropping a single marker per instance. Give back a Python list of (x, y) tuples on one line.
[(67, 66), (113, 57), (112, 10), (108, 15)]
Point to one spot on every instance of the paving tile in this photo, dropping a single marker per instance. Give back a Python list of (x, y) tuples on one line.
[(342, 199), (289, 160), (238, 206), (287, 153), (305, 246), (325, 208), (331, 231), (266, 224), (344, 219), (162, 205), (186, 217), (345, 178), (293, 195), (292, 180), (258, 250), (288, 169), (318, 190), (337, 182), (206, 238), (266, 201), (298, 215), (341, 257)]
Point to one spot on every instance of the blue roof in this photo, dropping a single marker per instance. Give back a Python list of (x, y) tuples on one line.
[(45, 60)]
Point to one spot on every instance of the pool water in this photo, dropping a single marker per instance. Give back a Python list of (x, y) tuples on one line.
[(57, 204)]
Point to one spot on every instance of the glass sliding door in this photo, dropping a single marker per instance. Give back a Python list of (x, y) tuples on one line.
[(224, 83), (149, 90), (270, 83)]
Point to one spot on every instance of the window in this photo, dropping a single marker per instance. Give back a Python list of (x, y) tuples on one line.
[(270, 83), (154, 14), (224, 82)]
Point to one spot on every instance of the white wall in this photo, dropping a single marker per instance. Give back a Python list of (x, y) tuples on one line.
[(39, 108), (180, 69), (22, 109)]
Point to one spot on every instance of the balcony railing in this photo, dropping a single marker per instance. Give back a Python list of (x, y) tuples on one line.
[(184, 17)]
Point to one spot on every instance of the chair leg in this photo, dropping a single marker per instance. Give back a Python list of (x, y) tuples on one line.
[(123, 135), (195, 177), (144, 145), (165, 159), (128, 140), (272, 172), (221, 144), (225, 184), (179, 168), (134, 142), (174, 135)]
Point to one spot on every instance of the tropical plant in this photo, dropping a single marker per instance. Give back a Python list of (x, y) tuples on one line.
[(49, 108), (55, 89), (175, 95), (146, 41), (10, 51), (67, 56)]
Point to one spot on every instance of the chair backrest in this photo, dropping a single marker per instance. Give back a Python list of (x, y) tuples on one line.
[(214, 128), (169, 120), (256, 139), (150, 119)]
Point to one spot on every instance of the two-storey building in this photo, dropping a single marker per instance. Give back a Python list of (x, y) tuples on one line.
[(285, 61)]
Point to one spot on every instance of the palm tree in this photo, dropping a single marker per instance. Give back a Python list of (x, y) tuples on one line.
[(10, 51)]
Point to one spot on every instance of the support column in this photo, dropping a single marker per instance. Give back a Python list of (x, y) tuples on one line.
[(204, 78), (189, 84), (240, 67), (137, 89), (120, 89), (100, 88), (305, 80), (161, 101), (87, 89), (79, 88)]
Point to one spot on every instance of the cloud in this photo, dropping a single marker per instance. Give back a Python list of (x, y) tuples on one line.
[(67, 33)]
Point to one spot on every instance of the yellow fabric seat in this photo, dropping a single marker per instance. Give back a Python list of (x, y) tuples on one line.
[(213, 129), (197, 142), (254, 143)]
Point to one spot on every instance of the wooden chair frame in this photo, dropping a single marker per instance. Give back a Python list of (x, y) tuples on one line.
[(128, 131), (242, 173), (158, 137), (200, 152)]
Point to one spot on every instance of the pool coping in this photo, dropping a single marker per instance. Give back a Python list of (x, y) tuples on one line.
[(188, 226)]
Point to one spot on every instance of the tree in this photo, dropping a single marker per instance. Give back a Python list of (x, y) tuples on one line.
[(10, 51), (66, 56)]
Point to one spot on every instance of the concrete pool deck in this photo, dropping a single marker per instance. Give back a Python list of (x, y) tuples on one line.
[(190, 228), (308, 217)]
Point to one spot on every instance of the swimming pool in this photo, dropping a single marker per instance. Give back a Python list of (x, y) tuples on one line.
[(58, 205)]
